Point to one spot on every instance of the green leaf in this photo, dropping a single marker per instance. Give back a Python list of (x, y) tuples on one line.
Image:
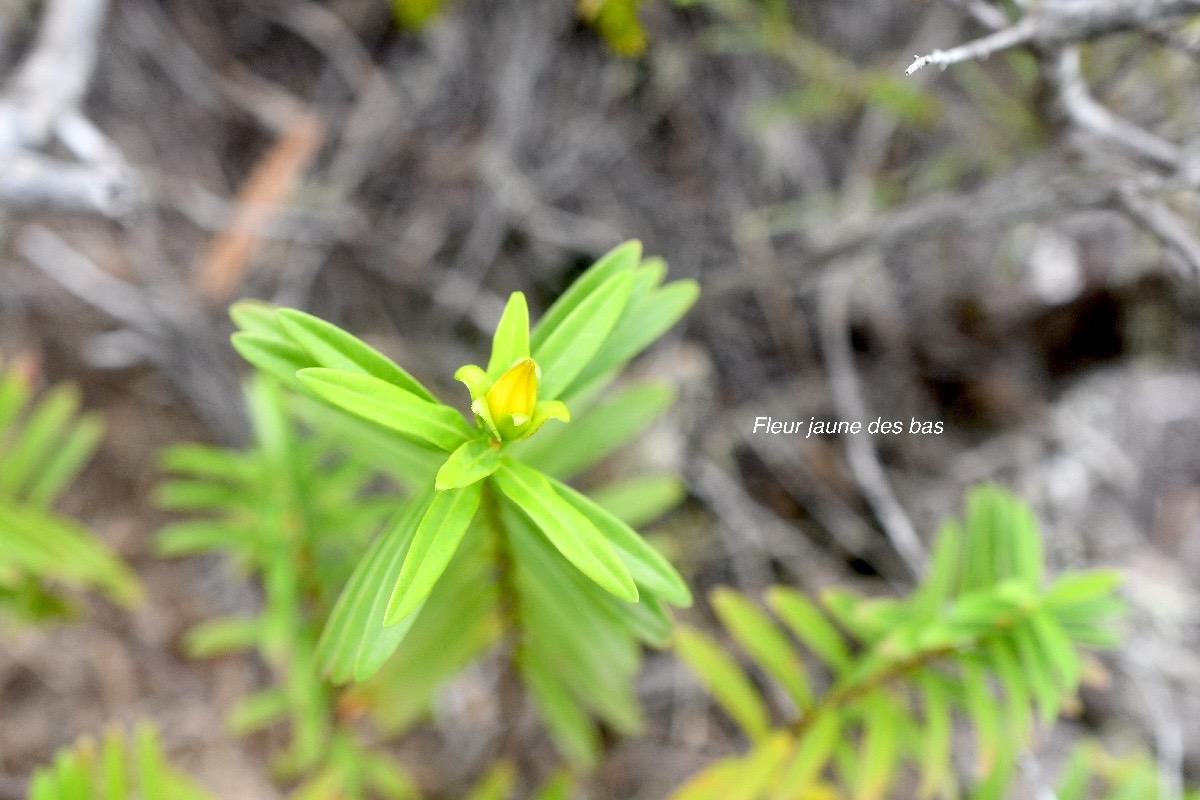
[(559, 787), (116, 778), (935, 735), (413, 15), (644, 320), (277, 358), (222, 635), (389, 405), (598, 431), (714, 782), (473, 461), (354, 643), (984, 713), (257, 711), (637, 501), (510, 343), (14, 394), (1076, 588), (152, 777), (810, 626), (811, 755), (646, 565), (254, 316), (757, 634), (1003, 659), (725, 680), (496, 784), (1056, 646), (330, 346), (617, 22), (64, 464), (944, 572), (193, 536), (37, 439), (880, 748), (433, 545), (573, 732), (623, 258), (572, 533), (1076, 776), (577, 339), (1038, 671), (760, 768)]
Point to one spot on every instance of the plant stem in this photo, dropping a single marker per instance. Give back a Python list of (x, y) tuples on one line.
[(509, 687)]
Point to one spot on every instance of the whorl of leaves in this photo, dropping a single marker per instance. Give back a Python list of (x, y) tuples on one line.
[(499, 549)]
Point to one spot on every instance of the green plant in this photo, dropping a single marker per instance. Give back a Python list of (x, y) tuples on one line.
[(494, 548), (294, 511), (117, 769), (1094, 771), (981, 636), (43, 447), (615, 20)]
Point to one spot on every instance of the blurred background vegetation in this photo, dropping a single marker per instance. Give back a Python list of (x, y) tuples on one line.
[(1007, 246)]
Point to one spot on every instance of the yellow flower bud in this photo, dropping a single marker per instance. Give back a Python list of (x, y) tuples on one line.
[(513, 397)]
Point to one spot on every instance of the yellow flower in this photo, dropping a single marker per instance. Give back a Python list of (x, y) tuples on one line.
[(513, 396), (508, 407)]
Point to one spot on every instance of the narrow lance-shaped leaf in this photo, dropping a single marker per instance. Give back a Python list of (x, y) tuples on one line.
[(880, 748), (330, 346), (984, 713), (645, 498), (812, 753), (116, 775), (810, 625), (433, 545), (1002, 658), (577, 339), (935, 736), (66, 461), (598, 431), (277, 357), (1082, 587), (152, 777), (1058, 649), (510, 343), (355, 643), (571, 533), (389, 405), (645, 319), (757, 634), (646, 565), (623, 258), (760, 769), (37, 439), (1038, 672), (473, 461), (725, 680)]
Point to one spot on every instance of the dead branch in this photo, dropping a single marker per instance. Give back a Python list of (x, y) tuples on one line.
[(1091, 116), (1058, 23), (860, 449), (42, 102)]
